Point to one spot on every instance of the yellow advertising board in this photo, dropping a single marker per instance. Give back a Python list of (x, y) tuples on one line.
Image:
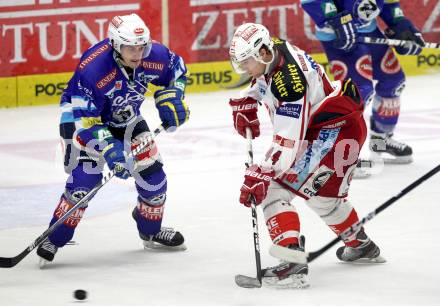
[(209, 76)]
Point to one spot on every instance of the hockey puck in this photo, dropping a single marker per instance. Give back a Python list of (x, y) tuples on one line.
[(80, 294)]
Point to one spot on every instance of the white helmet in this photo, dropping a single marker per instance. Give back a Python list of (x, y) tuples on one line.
[(246, 42), (129, 30)]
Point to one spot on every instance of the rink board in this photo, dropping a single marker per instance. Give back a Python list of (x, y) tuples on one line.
[(209, 76)]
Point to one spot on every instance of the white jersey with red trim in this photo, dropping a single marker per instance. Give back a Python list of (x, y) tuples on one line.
[(292, 92)]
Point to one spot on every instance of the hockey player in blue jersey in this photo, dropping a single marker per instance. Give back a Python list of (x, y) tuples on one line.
[(339, 25), (101, 123)]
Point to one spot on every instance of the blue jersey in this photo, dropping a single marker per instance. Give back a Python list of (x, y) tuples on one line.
[(101, 94), (364, 12)]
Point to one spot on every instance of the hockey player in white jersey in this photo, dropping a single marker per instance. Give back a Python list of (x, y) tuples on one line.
[(318, 131)]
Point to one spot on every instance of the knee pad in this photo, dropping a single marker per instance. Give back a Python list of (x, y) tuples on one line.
[(331, 210)]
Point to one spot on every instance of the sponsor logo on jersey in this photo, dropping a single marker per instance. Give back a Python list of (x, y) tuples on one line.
[(302, 62), (92, 56), (389, 63), (152, 65), (63, 207), (297, 83), (321, 179), (364, 67), (339, 70), (107, 79), (148, 212), (289, 110), (329, 9), (388, 107)]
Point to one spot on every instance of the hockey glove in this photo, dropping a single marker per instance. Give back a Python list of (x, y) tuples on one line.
[(345, 31), (256, 182), (173, 111), (113, 154), (244, 114), (405, 30)]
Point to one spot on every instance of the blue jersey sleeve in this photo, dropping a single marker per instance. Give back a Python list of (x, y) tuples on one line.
[(174, 72), (391, 12), (320, 10)]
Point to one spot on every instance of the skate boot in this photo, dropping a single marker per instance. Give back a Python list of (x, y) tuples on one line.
[(363, 169), (391, 150), (46, 250), (366, 252), (166, 238), (288, 274)]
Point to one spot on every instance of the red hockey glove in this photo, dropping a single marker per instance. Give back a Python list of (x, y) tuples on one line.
[(244, 113), (256, 182)]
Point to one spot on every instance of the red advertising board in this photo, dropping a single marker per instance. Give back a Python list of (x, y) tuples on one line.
[(49, 36)]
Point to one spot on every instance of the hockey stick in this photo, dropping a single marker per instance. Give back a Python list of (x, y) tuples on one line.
[(349, 231), (310, 256), (9, 262), (243, 280), (395, 42)]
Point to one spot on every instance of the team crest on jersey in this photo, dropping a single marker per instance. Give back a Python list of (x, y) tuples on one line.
[(389, 63), (367, 10), (339, 70), (364, 67), (147, 78)]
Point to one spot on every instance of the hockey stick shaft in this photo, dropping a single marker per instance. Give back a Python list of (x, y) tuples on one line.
[(348, 232), (395, 42), (9, 262), (254, 210)]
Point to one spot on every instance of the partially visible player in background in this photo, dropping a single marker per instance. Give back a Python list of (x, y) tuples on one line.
[(318, 130), (339, 24), (101, 123)]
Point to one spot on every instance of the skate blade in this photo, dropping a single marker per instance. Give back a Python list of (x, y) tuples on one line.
[(378, 260), (247, 282), (42, 263), (402, 160), (151, 245), (360, 173), (294, 281), (391, 159)]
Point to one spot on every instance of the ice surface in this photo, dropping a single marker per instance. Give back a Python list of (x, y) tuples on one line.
[(205, 162)]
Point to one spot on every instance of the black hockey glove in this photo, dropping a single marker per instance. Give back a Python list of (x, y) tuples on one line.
[(405, 30)]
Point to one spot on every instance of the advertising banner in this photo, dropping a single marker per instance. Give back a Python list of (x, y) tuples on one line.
[(41, 41)]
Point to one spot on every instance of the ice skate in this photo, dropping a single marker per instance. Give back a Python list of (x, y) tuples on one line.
[(287, 274), (46, 251), (363, 169), (366, 252), (391, 150), (166, 238)]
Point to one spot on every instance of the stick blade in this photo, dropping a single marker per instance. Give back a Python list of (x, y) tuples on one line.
[(247, 282), (6, 262)]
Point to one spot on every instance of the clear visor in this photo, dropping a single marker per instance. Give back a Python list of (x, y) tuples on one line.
[(146, 51), (243, 65)]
